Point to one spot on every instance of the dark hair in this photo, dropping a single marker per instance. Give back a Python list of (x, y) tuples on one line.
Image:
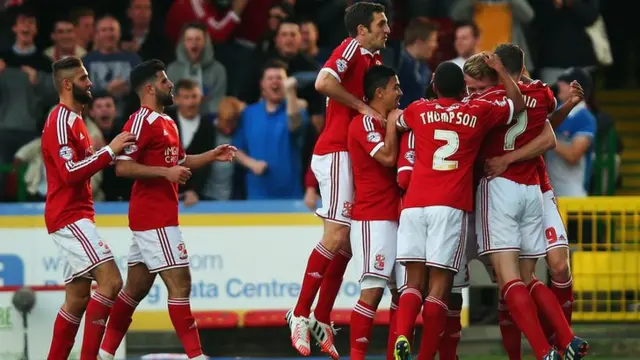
[(23, 10), (194, 25), (62, 19), (59, 69), (375, 78), (79, 12), (474, 27), (101, 94), (274, 64), (285, 21), (449, 80), (185, 84), (360, 13), (512, 57), (419, 29), (285, 7), (144, 73)]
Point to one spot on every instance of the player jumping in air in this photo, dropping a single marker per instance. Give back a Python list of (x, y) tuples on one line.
[(158, 164), (433, 224), (70, 161), (373, 148), (341, 81)]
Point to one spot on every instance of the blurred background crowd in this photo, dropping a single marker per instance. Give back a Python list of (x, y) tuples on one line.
[(237, 63)]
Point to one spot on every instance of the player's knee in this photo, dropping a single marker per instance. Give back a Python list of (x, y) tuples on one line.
[(455, 301), (559, 268), (111, 287), (76, 303), (372, 290), (336, 237), (179, 289)]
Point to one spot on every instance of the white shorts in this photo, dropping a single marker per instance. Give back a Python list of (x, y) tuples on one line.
[(461, 279), (333, 172), (435, 235), (373, 245), (159, 249), (509, 218), (554, 230), (82, 249)]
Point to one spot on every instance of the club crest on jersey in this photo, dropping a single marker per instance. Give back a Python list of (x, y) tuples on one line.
[(182, 250), (130, 149), (66, 153), (341, 64), (410, 156), (346, 209), (379, 262), (374, 137)]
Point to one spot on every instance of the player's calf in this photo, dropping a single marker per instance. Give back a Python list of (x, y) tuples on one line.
[(435, 311), (65, 328), (451, 337), (364, 312), (561, 279), (409, 307)]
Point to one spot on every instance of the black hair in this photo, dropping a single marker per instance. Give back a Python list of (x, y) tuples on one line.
[(100, 94), (194, 25), (511, 56), (474, 27), (360, 13), (60, 69), (274, 64), (375, 78), (449, 80), (287, 20), (144, 73)]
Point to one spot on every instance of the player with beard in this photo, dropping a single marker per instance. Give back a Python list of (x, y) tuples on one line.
[(158, 164), (70, 162)]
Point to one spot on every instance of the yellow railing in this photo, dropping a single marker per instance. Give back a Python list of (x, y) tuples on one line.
[(604, 233)]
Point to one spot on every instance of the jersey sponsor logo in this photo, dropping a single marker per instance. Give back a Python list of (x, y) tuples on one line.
[(341, 64), (410, 156), (171, 155), (66, 153), (130, 149), (374, 137)]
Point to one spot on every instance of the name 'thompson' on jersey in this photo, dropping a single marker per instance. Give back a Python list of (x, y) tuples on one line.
[(448, 136), (154, 202), (348, 64), (70, 162)]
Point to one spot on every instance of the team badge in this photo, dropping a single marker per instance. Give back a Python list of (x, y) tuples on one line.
[(341, 64), (379, 262), (374, 137), (346, 209), (410, 156), (182, 250), (66, 153), (130, 149)]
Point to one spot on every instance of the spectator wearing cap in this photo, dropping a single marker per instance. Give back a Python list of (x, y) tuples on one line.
[(569, 164)]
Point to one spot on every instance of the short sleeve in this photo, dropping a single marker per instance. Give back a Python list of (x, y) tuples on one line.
[(182, 155), (138, 126), (368, 132), (342, 59), (406, 152), (584, 124)]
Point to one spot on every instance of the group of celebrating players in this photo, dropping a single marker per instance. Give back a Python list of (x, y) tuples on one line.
[(408, 192)]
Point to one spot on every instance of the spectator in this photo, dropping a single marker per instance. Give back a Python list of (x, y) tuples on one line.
[(84, 22), (569, 164), (220, 22), (269, 138), (277, 13), (420, 43), (102, 112), (64, 42), (563, 40), (195, 61), (108, 65), (499, 22), (220, 185), (467, 36), (196, 134), (140, 38), (25, 86), (309, 47)]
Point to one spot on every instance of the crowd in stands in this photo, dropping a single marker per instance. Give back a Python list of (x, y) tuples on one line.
[(241, 68)]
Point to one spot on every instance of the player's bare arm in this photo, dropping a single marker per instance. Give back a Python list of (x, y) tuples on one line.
[(577, 95), (133, 170), (534, 148), (222, 153), (294, 105), (329, 86), (510, 86), (258, 167)]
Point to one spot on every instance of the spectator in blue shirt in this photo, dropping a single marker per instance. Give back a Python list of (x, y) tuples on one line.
[(569, 164), (420, 43), (269, 137)]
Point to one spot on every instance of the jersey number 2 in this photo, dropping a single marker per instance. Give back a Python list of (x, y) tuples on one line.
[(440, 156), (515, 130)]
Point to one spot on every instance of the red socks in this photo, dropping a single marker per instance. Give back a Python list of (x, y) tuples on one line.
[(408, 308), (331, 286), (511, 334), (119, 322), (434, 318), (548, 305), (65, 329), (360, 327), (185, 326), (391, 342), (523, 312), (316, 266), (448, 348), (564, 294), (95, 322)]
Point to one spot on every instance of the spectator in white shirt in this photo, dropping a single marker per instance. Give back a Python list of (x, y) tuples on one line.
[(467, 35)]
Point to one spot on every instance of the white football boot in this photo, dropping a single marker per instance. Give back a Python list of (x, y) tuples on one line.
[(299, 327), (323, 334)]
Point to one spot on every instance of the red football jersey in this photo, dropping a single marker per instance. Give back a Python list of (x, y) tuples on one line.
[(376, 195), (69, 162), (448, 136), (154, 202), (348, 63), (406, 159), (525, 127), (545, 184)]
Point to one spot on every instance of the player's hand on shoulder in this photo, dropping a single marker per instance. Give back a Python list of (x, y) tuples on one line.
[(224, 153), (495, 166), (394, 115), (178, 174), (576, 92), (121, 141), (368, 111), (258, 167)]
